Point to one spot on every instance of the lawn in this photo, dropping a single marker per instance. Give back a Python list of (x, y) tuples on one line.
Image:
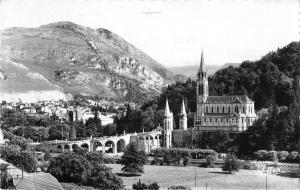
[(167, 176)]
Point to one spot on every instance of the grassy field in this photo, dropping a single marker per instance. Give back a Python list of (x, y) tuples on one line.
[(167, 176)]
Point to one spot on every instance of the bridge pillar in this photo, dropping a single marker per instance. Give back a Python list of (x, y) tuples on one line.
[(103, 147), (114, 148)]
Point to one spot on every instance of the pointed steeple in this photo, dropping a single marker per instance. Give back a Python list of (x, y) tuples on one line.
[(201, 69), (167, 109), (182, 111)]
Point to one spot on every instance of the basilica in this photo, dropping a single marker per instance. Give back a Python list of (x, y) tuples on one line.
[(214, 113)]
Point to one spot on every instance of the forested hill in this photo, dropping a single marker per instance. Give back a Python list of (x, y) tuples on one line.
[(272, 82), (271, 78), (268, 79)]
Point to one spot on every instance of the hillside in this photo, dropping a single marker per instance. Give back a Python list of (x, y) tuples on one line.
[(75, 59), (191, 70), (17, 82), (273, 83)]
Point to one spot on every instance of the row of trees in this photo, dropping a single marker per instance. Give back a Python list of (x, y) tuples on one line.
[(42, 128)]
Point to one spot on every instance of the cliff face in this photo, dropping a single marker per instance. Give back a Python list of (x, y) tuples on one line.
[(78, 59)]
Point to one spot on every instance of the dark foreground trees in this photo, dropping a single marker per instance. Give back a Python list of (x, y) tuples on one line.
[(133, 160), (84, 168), (22, 159)]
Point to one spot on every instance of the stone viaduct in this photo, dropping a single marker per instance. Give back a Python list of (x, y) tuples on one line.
[(110, 145)]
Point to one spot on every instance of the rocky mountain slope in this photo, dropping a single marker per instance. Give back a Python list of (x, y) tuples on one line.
[(70, 58)]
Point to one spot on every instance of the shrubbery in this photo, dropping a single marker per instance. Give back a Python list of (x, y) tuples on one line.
[(210, 161), (186, 161), (183, 152), (179, 187), (142, 186), (294, 157), (282, 156), (231, 163), (172, 156)]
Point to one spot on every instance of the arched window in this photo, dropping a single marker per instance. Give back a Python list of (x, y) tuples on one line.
[(223, 109), (243, 109), (200, 89), (206, 109), (236, 109), (212, 109), (218, 109), (228, 109)]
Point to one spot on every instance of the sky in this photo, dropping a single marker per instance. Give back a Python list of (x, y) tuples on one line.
[(173, 32)]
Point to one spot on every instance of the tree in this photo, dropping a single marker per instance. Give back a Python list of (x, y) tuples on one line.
[(93, 127), (56, 131), (230, 164), (102, 178), (22, 159), (148, 117), (37, 134), (22, 142), (110, 129), (133, 161), (47, 156), (84, 168), (70, 167), (72, 133)]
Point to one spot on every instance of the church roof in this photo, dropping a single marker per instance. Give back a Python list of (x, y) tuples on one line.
[(228, 99)]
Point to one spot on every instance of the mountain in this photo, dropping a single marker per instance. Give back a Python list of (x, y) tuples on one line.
[(190, 71), (67, 58)]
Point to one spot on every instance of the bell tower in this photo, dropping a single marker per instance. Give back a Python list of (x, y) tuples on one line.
[(202, 82), (168, 126)]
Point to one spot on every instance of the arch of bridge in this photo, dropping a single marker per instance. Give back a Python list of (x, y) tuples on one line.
[(118, 143), (69, 145)]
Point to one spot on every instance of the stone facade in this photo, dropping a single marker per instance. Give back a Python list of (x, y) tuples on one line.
[(226, 113)]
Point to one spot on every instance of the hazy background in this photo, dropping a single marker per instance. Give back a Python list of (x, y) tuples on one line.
[(173, 32)]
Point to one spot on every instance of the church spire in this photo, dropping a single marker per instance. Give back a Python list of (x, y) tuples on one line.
[(202, 82), (201, 69), (182, 111), (167, 109), (183, 117)]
